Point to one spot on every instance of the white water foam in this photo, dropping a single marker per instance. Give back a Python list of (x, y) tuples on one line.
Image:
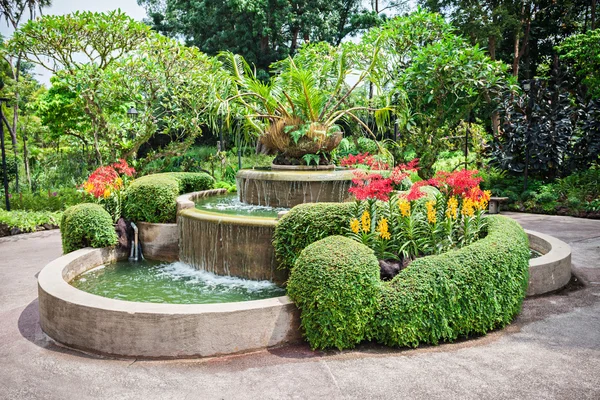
[(180, 270)]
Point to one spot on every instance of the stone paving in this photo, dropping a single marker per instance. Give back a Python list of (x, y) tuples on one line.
[(551, 351)]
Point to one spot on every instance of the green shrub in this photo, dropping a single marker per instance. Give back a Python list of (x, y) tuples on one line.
[(27, 221), (86, 225), (305, 224), (335, 284), (153, 198), (436, 298), (468, 291)]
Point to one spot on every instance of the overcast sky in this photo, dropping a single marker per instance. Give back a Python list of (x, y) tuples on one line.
[(59, 7)]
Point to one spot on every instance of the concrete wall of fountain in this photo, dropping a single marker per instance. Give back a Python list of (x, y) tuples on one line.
[(290, 188)]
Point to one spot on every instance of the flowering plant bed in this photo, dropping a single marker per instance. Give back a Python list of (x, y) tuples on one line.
[(432, 217)]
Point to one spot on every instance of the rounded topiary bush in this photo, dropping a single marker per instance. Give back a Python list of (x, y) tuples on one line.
[(153, 198), (86, 225), (305, 224), (335, 284)]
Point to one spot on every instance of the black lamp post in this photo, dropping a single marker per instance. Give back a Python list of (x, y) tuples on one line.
[(528, 112), (4, 167), (132, 113)]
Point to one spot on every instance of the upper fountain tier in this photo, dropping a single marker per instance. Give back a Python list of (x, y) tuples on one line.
[(289, 188)]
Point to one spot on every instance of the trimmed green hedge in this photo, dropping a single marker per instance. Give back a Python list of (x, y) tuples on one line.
[(86, 225), (305, 224), (153, 198), (437, 298), (335, 283)]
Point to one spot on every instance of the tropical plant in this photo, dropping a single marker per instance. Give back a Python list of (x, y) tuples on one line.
[(297, 112)]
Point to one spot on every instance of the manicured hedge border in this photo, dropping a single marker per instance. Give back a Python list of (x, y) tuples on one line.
[(305, 224), (437, 298), (464, 292), (153, 198)]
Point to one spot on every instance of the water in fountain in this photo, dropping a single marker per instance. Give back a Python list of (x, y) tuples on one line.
[(176, 283)]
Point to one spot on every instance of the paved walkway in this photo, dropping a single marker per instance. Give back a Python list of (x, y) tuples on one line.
[(552, 350)]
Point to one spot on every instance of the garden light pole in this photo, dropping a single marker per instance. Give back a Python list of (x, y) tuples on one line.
[(4, 167), (528, 112)]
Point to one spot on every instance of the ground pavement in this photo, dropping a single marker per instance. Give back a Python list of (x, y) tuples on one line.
[(551, 351)]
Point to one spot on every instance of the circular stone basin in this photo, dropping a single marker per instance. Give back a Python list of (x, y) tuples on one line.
[(290, 188), (175, 283), (133, 329), (230, 204)]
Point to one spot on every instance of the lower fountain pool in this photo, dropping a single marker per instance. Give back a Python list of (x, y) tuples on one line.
[(175, 283)]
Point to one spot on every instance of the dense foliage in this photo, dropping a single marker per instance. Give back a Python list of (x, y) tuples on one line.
[(435, 299), (305, 224), (153, 198), (86, 225), (262, 31), (335, 284), (26, 221)]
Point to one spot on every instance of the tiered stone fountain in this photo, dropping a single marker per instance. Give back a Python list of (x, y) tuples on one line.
[(240, 245)]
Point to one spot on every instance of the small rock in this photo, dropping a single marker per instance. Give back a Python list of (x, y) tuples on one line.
[(15, 231)]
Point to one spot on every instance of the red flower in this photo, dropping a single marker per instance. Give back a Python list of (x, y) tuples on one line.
[(363, 159), (371, 186), (457, 183), (415, 192)]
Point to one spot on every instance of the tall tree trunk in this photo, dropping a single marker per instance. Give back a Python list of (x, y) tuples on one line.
[(492, 47), (593, 16), (26, 159)]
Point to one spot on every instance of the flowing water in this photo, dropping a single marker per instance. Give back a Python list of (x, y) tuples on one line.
[(230, 204), (175, 283)]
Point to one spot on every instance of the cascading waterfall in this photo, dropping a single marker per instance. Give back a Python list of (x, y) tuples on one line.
[(241, 246), (224, 247)]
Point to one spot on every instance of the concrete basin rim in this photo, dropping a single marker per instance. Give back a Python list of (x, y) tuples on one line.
[(52, 282), (203, 215), (559, 250), (291, 176)]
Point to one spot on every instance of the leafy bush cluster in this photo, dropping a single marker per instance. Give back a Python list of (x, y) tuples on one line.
[(436, 298), (86, 225), (45, 200), (577, 194), (305, 224), (28, 221), (152, 198)]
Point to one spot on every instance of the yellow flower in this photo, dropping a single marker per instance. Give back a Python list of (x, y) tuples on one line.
[(118, 183), (382, 229), (431, 214), (88, 187), (365, 220), (354, 225), (404, 207), (468, 207), (451, 211), (106, 194)]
